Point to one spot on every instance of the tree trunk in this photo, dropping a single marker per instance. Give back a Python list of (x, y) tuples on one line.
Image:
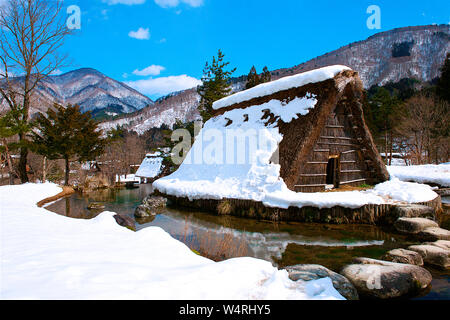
[(66, 179), (22, 168), (10, 166), (44, 169)]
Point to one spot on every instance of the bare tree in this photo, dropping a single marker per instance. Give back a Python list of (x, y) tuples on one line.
[(31, 34), (425, 128)]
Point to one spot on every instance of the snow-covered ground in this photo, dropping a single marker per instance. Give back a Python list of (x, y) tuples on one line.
[(428, 173), (48, 256)]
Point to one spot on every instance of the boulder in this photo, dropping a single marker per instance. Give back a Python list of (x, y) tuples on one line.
[(404, 256), (308, 272), (434, 234), (433, 254), (412, 211), (443, 192), (151, 206), (125, 221), (444, 244), (413, 225), (383, 280)]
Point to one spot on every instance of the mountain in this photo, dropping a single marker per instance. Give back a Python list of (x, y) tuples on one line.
[(411, 52), (91, 90)]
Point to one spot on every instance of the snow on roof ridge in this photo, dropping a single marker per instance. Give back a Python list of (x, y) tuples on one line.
[(268, 88)]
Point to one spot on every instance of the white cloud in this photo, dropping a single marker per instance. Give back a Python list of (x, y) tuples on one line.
[(164, 85), (56, 72), (175, 3), (126, 2), (193, 3), (140, 34), (167, 3), (152, 70)]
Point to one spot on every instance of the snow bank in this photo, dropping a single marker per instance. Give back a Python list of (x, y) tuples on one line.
[(285, 83), (429, 173), (48, 256)]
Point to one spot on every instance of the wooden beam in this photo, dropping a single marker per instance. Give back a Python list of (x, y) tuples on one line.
[(334, 126), (351, 171), (317, 162), (330, 137), (349, 151), (322, 150), (339, 144), (313, 175), (310, 185), (352, 181)]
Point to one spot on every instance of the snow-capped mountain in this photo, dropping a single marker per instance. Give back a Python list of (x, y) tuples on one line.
[(91, 90), (410, 52)]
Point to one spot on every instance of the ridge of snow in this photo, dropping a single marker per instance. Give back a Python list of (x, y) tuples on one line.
[(49, 256), (427, 173), (285, 83)]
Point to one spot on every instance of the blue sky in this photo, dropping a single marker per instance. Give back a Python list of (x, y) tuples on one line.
[(158, 46)]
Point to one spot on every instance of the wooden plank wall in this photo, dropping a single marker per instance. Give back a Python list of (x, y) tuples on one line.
[(337, 138)]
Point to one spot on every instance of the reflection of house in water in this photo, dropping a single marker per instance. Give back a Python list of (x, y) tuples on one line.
[(150, 167)]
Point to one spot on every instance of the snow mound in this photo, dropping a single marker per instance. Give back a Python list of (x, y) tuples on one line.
[(48, 256), (428, 173), (285, 83)]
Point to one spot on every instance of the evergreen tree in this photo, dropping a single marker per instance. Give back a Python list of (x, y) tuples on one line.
[(216, 84), (443, 85), (10, 127), (266, 76), (252, 79), (67, 134)]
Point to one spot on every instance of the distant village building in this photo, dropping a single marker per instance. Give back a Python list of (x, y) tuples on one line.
[(150, 167)]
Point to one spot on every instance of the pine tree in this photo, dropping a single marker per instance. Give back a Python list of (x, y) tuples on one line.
[(252, 79), (266, 76), (67, 134), (443, 85), (216, 84)]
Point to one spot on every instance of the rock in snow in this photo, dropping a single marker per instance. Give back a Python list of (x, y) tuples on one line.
[(308, 272), (383, 280)]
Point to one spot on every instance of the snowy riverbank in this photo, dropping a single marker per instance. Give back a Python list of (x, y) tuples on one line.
[(427, 173), (48, 256)]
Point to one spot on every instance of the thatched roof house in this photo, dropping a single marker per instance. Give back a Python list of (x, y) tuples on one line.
[(315, 122), (331, 145)]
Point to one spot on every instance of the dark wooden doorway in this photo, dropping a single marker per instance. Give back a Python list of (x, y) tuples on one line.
[(333, 171)]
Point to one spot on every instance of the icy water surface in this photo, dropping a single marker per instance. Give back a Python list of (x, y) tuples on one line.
[(222, 237)]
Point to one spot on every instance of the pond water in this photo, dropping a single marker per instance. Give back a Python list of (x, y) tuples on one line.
[(282, 243), (446, 199)]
